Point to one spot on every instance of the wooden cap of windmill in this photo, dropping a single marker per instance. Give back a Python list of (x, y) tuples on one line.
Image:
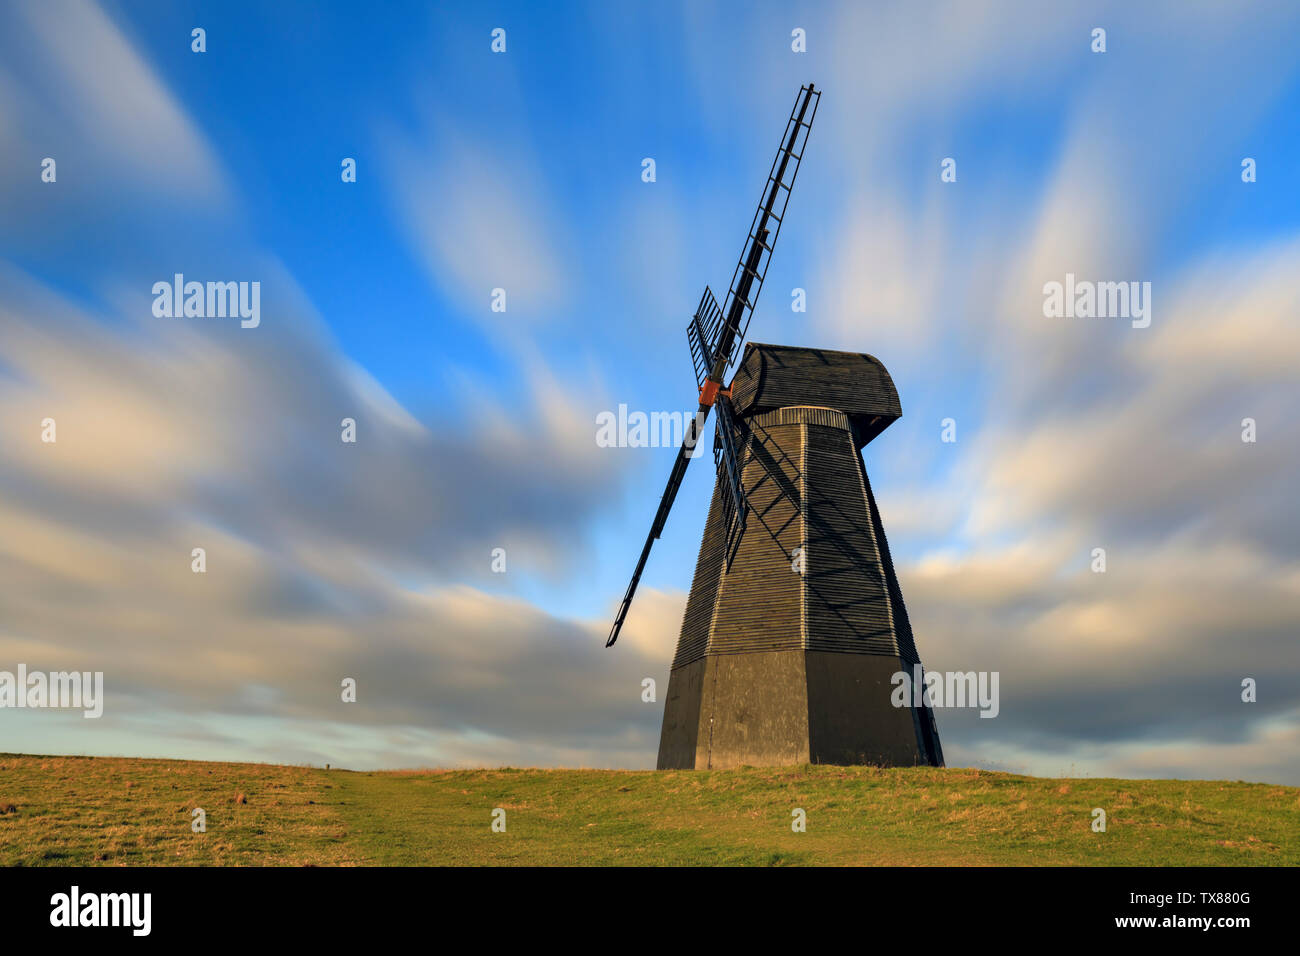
[(781, 376)]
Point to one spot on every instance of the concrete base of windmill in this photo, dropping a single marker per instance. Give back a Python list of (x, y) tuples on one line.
[(790, 707)]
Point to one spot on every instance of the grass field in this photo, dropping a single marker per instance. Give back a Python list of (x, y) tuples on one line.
[(109, 811)]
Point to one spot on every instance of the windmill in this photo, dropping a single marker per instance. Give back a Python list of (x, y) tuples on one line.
[(795, 626)]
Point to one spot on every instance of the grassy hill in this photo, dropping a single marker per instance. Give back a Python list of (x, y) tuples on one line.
[(109, 811)]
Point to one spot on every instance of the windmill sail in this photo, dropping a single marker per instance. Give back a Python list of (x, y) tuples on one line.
[(715, 334), (747, 279), (702, 336), (734, 505)]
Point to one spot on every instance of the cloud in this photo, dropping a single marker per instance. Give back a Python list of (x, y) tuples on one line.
[(493, 229), (88, 99), (243, 428), (324, 559)]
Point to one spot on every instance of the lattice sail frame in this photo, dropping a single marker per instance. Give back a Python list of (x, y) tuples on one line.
[(759, 235), (735, 507), (702, 335)]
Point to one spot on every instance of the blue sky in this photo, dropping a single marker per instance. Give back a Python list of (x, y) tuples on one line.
[(522, 170)]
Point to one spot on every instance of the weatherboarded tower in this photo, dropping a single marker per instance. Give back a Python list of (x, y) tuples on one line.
[(787, 650)]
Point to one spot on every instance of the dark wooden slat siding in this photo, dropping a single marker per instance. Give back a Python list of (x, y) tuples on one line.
[(807, 487), (758, 602), (694, 639), (849, 607), (902, 626)]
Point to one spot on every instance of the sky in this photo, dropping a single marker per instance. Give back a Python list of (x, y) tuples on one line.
[(476, 429)]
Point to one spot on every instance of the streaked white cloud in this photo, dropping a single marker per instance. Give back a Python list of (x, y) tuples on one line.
[(478, 220), (91, 100)]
